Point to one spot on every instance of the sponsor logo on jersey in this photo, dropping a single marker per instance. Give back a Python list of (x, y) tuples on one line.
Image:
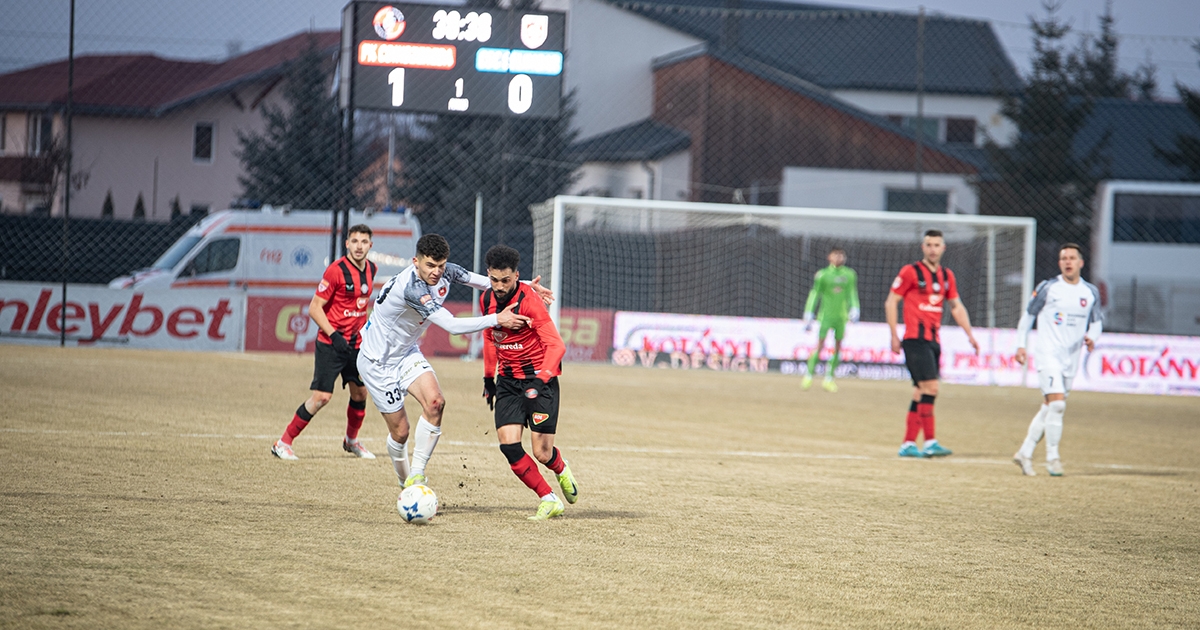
[(425, 299), (531, 392), (350, 313), (539, 418), (935, 298), (929, 308), (324, 286), (510, 346), (1058, 319), (896, 283)]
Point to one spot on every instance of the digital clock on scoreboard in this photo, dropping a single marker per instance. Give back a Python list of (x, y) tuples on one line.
[(452, 59)]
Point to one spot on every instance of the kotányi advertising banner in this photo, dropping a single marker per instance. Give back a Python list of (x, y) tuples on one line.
[(1150, 364), (196, 319)]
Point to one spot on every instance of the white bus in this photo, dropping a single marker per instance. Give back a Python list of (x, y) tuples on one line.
[(1146, 256)]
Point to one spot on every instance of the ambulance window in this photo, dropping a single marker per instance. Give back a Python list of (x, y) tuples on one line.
[(219, 255), (177, 252)]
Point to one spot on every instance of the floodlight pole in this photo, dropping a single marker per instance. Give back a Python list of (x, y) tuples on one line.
[(62, 325)]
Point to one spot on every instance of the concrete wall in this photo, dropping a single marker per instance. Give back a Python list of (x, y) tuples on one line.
[(867, 190)]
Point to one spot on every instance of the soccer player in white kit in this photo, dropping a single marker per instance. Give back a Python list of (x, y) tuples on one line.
[(390, 362), (1067, 309)]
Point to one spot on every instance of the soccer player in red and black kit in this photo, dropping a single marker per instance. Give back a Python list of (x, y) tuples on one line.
[(926, 287), (526, 364), (339, 308)]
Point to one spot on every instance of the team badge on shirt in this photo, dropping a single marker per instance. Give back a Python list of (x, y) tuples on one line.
[(896, 283), (1083, 302), (442, 292), (934, 298), (365, 289), (499, 335), (362, 302), (323, 286)]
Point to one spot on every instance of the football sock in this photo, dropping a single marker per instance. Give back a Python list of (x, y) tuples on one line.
[(925, 415), (833, 364), (549, 497), (526, 470), (355, 412), (426, 440), (812, 360), (1037, 427), (299, 421), (399, 454), (556, 462), (1054, 427), (912, 424)]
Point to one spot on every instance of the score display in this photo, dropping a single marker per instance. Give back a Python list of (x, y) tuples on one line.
[(452, 59)]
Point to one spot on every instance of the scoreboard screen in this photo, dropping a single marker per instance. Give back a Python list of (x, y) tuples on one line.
[(452, 59)]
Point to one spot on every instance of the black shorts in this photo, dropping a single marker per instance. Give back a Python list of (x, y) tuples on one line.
[(515, 406), (922, 359), (329, 363)]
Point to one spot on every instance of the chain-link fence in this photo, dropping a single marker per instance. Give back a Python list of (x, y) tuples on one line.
[(728, 101)]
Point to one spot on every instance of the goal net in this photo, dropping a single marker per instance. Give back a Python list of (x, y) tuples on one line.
[(759, 261)]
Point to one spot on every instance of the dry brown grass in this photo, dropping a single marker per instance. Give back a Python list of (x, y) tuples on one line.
[(138, 492)]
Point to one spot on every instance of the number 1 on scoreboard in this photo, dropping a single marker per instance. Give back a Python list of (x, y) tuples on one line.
[(396, 80)]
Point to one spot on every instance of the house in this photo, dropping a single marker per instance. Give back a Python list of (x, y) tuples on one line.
[(798, 104), (143, 126)]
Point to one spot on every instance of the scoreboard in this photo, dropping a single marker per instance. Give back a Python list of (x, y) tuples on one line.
[(452, 59)]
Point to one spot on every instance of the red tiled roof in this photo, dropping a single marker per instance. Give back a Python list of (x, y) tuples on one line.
[(146, 85)]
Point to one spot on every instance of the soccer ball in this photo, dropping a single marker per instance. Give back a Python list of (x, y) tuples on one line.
[(417, 504)]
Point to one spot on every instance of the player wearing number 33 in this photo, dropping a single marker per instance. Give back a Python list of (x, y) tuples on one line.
[(1067, 310), (390, 360), (520, 381)]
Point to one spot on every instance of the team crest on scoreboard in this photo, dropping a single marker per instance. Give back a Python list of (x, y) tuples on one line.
[(534, 29), (389, 23), (539, 418)]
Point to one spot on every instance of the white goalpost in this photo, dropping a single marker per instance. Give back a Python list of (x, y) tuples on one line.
[(759, 261)]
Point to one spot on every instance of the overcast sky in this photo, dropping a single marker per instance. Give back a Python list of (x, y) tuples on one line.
[(35, 31)]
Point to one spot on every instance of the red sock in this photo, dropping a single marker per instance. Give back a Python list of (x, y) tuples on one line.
[(354, 420), (925, 411), (526, 470), (912, 424), (299, 421), (556, 463)]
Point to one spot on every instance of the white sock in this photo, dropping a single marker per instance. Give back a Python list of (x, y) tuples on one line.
[(426, 440), (930, 442), (399, 453), (1037, 427), (550, 497), (1054, 428)]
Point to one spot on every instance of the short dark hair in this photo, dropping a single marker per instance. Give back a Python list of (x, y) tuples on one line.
[(836, 248), (502, 257), (361, 228), (433, 246), (1073, 246), (937, 233)]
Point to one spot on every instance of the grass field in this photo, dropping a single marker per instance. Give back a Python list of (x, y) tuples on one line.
[(138, 492)]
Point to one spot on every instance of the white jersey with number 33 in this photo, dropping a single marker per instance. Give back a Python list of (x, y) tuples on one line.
[(1065, 314), (403, 310)]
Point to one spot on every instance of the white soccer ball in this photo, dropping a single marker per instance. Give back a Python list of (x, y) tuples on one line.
[(417, 504)]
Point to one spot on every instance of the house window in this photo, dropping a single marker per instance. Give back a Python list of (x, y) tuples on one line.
[(41, 133), (960, 130), (202, 142), (913, 201)]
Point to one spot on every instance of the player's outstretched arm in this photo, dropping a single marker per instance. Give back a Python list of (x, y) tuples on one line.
[(463, 325)]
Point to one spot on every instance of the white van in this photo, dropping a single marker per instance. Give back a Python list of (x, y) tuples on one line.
[(271, 252)]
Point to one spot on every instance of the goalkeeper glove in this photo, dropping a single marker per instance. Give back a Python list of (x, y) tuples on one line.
[(854, 315), (489, 391), (339, 342)]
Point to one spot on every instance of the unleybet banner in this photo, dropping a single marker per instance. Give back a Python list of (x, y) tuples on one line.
[(196, 319), (1149, 364)]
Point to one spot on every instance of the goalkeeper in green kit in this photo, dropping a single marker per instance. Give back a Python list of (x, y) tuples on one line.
[(836, 286)]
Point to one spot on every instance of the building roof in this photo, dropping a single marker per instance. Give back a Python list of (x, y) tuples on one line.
[(642, 140), (148, 85), (847, 49), (1136, 128)]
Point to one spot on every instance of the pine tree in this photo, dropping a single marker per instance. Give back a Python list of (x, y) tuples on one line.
[(106, 211), (139, 209), (1094, 71), (1040, 175), (294, 161), (1186, 153)]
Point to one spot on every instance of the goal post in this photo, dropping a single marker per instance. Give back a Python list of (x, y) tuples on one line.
[(759, 261)]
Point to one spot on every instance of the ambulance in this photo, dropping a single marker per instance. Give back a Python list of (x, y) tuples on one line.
[(271, 251)]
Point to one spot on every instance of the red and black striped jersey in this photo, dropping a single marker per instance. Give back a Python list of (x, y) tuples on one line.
[(924, 292), (346, 290), (534, 350)]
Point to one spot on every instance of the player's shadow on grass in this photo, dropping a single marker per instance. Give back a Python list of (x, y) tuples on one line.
[(572, 513)]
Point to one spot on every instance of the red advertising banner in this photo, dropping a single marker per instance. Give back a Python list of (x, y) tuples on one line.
[(279, 324)]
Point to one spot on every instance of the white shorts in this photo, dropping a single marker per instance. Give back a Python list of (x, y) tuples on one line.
[(1052, 381), (389, 383)]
